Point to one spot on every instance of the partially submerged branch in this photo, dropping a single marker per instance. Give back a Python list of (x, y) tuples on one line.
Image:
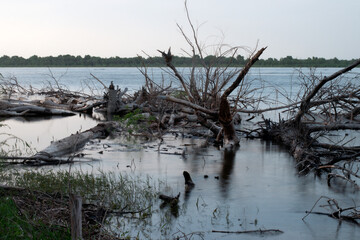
[(305, 105), (242, 74)]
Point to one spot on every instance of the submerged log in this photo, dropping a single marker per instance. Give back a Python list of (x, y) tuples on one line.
[(74, 142), (11, 108)]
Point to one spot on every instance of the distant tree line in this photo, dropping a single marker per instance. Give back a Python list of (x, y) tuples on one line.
[(91, 61)]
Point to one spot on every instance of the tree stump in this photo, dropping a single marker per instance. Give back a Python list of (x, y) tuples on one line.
[(76, 216)]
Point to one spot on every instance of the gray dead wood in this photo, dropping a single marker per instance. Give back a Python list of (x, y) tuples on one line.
[(10, 108), (296, 134), (74, 142), (306, 102), (76, 217), (189, 104), (225, 115), (112, 102)]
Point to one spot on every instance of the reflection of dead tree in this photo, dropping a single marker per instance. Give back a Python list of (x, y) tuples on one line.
[(329, 104), (350, 214)]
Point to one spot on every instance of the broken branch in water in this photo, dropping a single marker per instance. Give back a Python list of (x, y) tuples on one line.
[(261, 231), (337, 211)]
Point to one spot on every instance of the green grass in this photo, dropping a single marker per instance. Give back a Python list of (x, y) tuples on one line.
[(13, 225), (114, 192), (110, 190)]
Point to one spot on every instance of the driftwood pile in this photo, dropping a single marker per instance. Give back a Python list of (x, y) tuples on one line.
[(325, 109)]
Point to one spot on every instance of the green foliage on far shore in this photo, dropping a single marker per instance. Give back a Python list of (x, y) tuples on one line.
[(92, 61)]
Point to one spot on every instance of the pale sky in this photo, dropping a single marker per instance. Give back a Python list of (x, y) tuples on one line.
[(125, 28)]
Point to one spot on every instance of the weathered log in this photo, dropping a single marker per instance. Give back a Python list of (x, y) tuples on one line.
[(334, 127), (74, 142), (33, 161), (36, 110), (243, 73), (112, 102), (88, 106), (305, 105), (5, 113), (76, 217), (261, 231), (11, 108)]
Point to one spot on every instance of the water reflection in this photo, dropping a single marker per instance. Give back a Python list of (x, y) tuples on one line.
[(257, 181), (227, 169), (38, 132)]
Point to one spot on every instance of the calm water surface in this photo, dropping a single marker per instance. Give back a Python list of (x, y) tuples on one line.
[(258, 185)]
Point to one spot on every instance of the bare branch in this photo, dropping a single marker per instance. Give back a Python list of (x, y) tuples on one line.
[(243, 73), (334, 127), (189, 104), (305, 105)]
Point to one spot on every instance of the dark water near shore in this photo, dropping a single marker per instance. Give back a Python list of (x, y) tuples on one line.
[(257, 187)]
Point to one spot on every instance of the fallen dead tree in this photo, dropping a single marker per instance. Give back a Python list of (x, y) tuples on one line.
[(207, 96), (69, 145), (56, 99), (323, 110), (9, 108), (53, 209)]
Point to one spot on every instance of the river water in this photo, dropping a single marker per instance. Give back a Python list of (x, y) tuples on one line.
[(255, 187)]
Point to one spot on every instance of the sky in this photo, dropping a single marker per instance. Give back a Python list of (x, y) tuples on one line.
[(127, 28)]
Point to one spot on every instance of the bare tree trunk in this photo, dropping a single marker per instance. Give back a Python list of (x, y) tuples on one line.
[(227, 124), (225, 115), (111, 107), (76, 217)]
